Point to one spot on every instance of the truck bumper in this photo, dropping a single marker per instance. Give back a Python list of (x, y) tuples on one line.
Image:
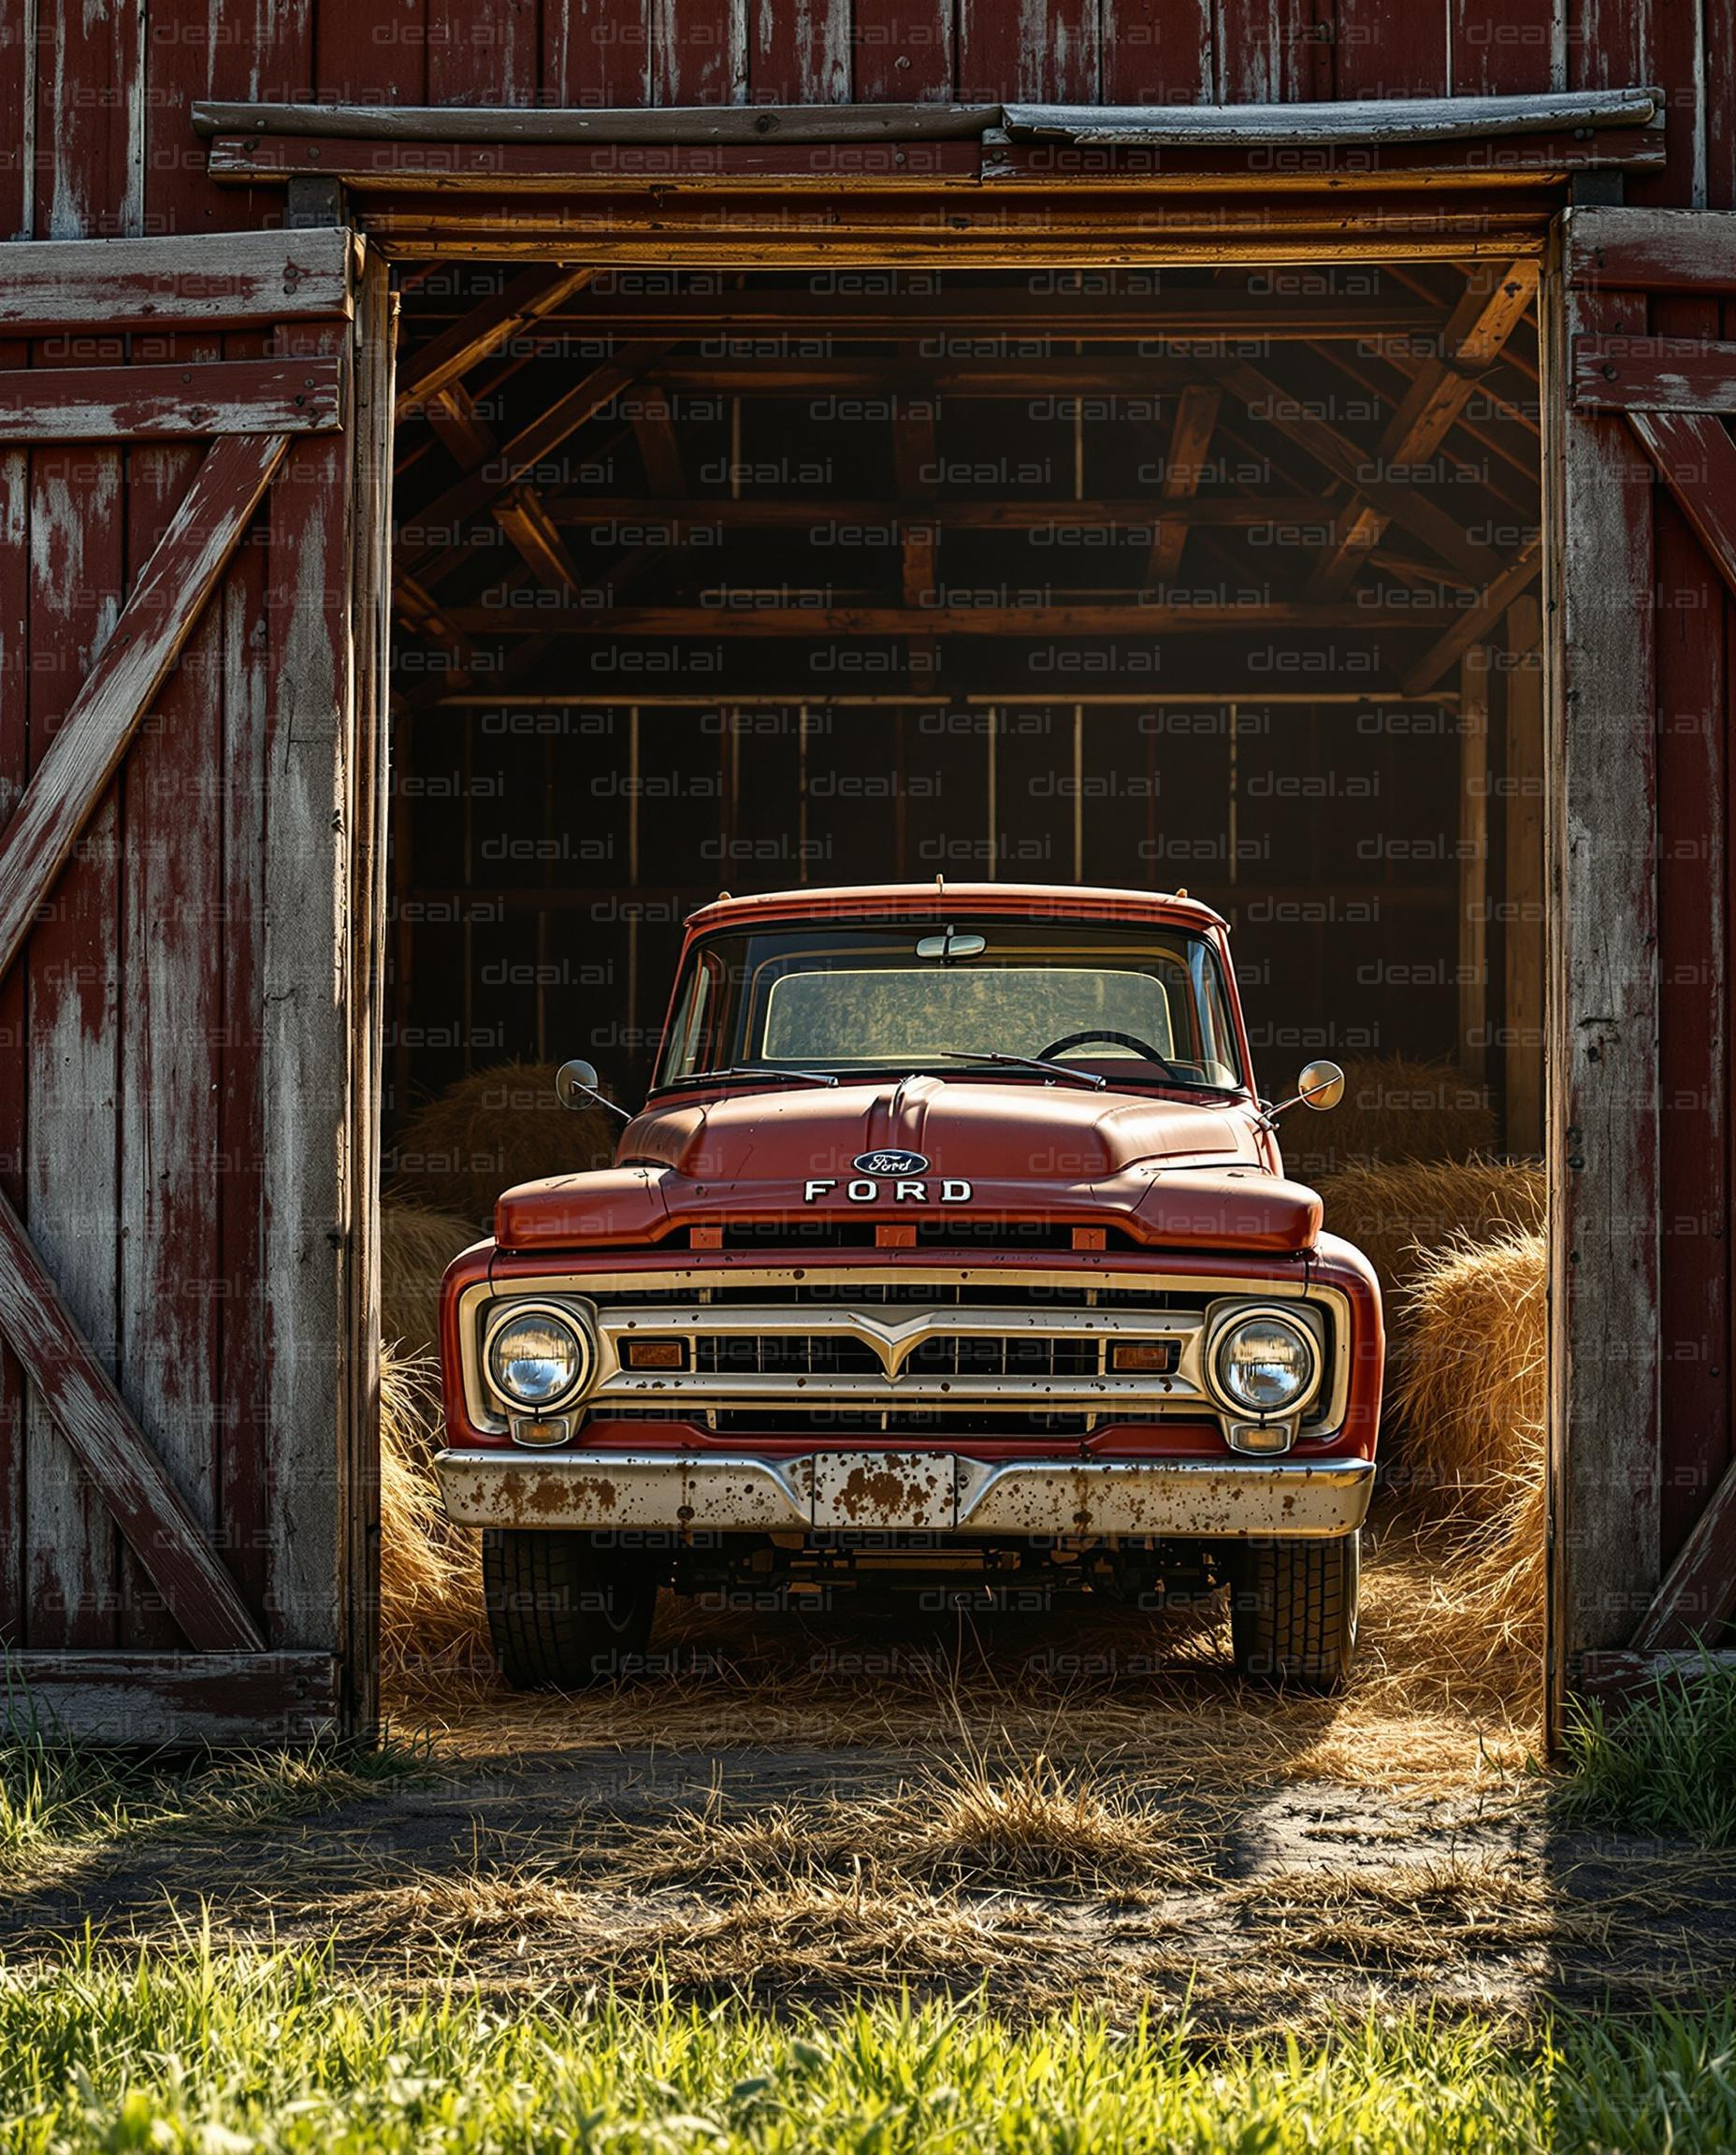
[(890, 1492)]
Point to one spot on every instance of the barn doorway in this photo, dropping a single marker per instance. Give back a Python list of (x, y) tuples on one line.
[(1220, 578)]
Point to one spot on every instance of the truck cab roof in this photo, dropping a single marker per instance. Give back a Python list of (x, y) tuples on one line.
[(1019, 900)]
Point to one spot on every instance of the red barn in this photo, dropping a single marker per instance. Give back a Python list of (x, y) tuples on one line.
[(1340, 256)]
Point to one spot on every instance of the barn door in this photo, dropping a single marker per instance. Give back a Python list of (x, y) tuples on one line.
[(194, 435), (1641, 480)]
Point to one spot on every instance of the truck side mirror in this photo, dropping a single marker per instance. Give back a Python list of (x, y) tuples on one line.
[(1320, 1085), (575, 1086)]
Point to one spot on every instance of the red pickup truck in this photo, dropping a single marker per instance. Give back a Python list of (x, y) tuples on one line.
[(952, 1249)]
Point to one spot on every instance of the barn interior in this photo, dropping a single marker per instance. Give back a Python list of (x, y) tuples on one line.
[(1216, 579)]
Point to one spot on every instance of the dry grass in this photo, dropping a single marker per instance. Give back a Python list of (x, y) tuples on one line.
[(491, 1129), (1471, 1393), (416, 1245), (1393, 1109), (1012, 1823), (431, 1612), (1396, 1215)]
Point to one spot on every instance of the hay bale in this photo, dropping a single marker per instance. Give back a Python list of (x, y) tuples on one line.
[(492, 1129), (430, 1577), (1472, 1387), (1393, 1108), (416, 1248), (1398, 1215)]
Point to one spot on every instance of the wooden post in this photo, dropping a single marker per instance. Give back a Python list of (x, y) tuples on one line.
[(1473, 965), (1524, 890)]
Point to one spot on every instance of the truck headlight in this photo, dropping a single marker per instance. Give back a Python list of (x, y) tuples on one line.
[(1265, 1363), (538, 1357)]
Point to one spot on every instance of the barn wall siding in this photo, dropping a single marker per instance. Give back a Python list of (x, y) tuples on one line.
[(95, 139)]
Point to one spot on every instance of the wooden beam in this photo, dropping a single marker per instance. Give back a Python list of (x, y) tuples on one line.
[(1524, 888), (1477, 622), (1491, 310), (221, 396), (1064, 379), (786, 619), (1189, 438), (518, 459), (157, 620), (521, 515), (1139, 517), (1268, 401), (624, 125), (110, 284), (1473, 864), (654, 429), (129, 1479), (1347, 120), (516, 308)]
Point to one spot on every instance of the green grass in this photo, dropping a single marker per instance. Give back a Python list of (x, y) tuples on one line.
[(221, 2054), (1663, 1764)]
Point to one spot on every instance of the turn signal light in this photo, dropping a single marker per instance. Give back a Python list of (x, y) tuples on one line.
[(656, 1354), (1143, 1358)]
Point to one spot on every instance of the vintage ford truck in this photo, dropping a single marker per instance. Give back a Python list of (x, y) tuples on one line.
[(952, 1249)]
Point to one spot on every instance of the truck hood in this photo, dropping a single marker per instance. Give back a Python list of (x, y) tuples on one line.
[(1173, 1173), (1016, 1128)]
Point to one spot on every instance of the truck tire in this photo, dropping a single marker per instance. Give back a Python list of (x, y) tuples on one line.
[(564, 1613), (1293, 1610)]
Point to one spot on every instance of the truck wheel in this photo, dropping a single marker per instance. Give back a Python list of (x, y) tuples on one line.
[(562, 1611), (1293, 1610)]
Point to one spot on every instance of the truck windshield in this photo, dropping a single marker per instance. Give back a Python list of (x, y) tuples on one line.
[(1147, 1004)]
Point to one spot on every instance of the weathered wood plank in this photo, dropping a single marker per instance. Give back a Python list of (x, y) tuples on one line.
[(1386, 53), (1604, 1081), (307, 990), (1350, 118), (171, 1701), (1473, 864), (223, 397), (1501, 47), (158, 617), (1160, 50), (1636, 373), (14, 770), (670, 124), (1615, 1676), (799, 55), (114, 1451), (1615, 250), (903, 50), (1697, 460), (1524, 888), (110, 284), (370, 615), (169, 926), (597, 54), (540, 168), (72, 987), (89, 120)]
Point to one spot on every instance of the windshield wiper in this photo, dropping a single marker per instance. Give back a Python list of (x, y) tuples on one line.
[(1026, 1063), (756, 1070)]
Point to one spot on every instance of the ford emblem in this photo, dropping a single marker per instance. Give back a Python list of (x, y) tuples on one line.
[(890, 1164)]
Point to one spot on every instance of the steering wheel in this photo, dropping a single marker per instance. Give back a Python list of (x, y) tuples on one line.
[(1142, 1048)]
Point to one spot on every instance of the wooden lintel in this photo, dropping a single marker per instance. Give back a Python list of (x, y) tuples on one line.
[(130, 1480), (160, 613), (623, 125), (219, 397)]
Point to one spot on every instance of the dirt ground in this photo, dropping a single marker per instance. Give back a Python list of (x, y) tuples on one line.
[(1037, 1807)]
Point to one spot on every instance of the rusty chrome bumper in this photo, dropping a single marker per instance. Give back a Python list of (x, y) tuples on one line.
[(932, 1491)]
